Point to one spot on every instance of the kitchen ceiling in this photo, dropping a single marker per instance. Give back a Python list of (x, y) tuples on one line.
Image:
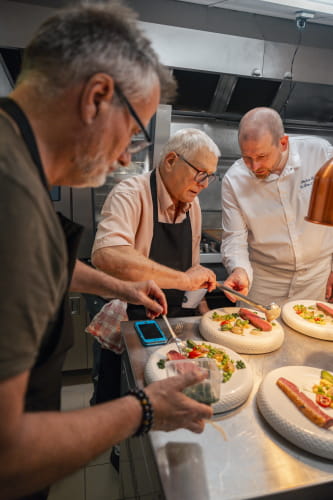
[(45, 3), (322, 10)]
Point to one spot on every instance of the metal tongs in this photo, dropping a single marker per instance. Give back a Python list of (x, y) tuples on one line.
[(178, 341), (272, 311)]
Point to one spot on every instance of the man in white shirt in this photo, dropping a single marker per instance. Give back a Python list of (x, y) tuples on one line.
[(268, 248)]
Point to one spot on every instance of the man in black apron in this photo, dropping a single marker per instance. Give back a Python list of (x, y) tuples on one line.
[(188, 164), (43, 391), (67, 122)]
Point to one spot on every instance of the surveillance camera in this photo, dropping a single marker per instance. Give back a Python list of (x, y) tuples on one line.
[(301, 19), (300, 22)]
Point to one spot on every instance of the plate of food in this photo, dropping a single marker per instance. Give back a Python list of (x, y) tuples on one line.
[(244, 330), (297, 401), (236, 375), (310, 317)]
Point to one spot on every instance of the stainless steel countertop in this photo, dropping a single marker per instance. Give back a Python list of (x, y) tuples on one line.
[(245, 458)]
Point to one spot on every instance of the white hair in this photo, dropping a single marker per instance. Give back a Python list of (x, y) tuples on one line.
[(187, 142)]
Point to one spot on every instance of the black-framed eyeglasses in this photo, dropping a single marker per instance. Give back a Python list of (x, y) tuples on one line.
[(136, 145), (200, 177)]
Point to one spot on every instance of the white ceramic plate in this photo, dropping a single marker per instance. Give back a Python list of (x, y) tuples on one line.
[(233, 392), (286, 419), (323, 332), (247, 343)]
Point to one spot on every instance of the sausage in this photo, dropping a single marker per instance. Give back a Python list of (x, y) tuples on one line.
[(304, 404), (326, 309), (255, 320), (172, 355)]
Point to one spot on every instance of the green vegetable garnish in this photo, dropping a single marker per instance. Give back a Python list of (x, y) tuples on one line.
[(226, 376), (161, 363), (327, 376), (190, 343)]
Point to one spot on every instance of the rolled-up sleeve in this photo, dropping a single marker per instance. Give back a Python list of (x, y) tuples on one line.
[(116, 227), (126, 217)]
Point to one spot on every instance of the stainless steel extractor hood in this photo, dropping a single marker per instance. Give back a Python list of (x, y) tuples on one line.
[(230, 96), (222, 74)]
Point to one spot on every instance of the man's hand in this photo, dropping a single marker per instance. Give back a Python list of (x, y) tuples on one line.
[(148, 294), (238, 281), (329, 288), (200, 277), (174, 410)]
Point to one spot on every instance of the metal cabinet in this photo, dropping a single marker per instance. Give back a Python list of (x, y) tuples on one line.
[(79, 357), (139, 477)]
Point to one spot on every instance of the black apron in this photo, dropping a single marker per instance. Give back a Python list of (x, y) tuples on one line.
[(171, 246), (43, 392)]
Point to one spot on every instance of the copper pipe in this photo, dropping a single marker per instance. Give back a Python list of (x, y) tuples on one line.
[(321, 202)]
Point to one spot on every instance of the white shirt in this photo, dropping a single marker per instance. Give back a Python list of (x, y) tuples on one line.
[(263, 219)]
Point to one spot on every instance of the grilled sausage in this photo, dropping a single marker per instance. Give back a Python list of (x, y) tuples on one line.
[(255, 320), (305, 404), (326, 309), (172, 355)]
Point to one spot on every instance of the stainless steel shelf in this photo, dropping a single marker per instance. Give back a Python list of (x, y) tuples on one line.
[(210, 258)]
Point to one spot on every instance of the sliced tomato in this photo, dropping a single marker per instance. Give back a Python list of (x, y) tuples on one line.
[(323, 400), (195, 353), (225, 322)]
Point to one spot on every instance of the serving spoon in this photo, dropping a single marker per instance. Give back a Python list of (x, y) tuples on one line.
[(272, 310)]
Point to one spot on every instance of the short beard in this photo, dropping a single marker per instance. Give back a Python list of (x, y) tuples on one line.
[(89, 166), (263, 176)]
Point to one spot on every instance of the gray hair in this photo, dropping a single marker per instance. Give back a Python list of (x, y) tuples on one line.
[(92, 37), (188, 141)]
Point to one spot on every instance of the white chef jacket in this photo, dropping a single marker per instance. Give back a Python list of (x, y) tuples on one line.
[(263, 226)]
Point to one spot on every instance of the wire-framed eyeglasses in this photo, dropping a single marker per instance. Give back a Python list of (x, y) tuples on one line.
[(200, 177), (136, 145)]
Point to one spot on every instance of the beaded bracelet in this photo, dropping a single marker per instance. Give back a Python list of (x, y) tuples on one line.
[(147, 411)]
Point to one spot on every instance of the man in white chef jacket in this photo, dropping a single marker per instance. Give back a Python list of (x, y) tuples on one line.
[(270, 251)]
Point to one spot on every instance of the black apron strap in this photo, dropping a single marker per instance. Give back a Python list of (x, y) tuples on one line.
[(73, 232), (153, 190), (15, 112)]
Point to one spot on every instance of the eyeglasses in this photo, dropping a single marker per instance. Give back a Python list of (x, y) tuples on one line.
[(200, 177), (136, 145)]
